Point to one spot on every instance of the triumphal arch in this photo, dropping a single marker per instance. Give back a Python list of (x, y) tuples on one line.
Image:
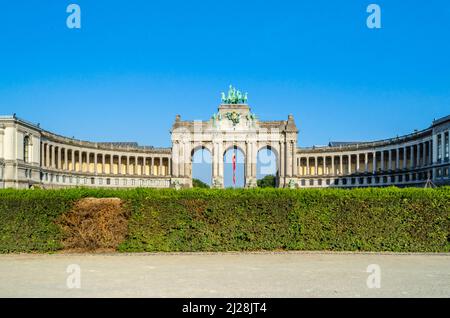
[(233, 126)]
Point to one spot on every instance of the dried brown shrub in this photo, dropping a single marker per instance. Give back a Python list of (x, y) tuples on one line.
[(94, 224)]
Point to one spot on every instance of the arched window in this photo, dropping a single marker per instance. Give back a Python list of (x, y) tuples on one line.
[(26, 149)]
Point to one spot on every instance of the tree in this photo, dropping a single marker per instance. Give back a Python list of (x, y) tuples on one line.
[(268, 181), (196, 183)]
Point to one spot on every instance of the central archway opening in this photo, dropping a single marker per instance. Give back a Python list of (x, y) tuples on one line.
[(201, 167), (234, 177), (266, 168)]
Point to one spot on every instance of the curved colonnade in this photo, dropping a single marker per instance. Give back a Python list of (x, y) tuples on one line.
[(31, 156)]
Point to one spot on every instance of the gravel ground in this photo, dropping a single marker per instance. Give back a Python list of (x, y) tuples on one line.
[(265, 274)]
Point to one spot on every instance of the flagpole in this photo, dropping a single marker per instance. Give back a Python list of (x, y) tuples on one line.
[(234, 167)]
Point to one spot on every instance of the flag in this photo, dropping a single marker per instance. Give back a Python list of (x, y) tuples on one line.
[(234, 167)]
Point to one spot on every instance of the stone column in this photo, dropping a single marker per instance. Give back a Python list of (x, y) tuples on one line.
[(418, 155), (294, 172), (149, 161), (397, 158), (412, 157), (161, 164), (220, 161), (53, 156), (349, 164), (60, 158), (95, 163), (430, 152), (357, 162), (152, 167), (366, 162), (382, 160), (73, 159), (332, 165), (254, 159), (66, 159), (323, 165), (390, 159), (103, 164), (316, 166), (181, 160), (130, 171), (111, 164), (215, 159), (435, 154), (405, 158), (282, 160), (169, 166), (308, 170), (88, 161), (50, 156), (288, 159), (144, 166), (166, 172), (247, 173), (435, 149), (80, 160), (175, 160), (47, 155), (186, 159), (374, 162), (42, 154)]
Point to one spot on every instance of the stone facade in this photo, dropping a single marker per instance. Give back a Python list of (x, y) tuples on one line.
[(221, 133), (31, 156)]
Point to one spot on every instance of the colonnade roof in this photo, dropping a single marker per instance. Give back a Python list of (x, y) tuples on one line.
[(369, 145), (441, 120), (135, 147), (117, 146)]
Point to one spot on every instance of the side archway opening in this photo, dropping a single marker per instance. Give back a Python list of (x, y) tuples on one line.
[(267, 167), (201, 167)]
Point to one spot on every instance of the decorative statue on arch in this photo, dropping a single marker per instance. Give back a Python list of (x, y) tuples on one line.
[(216, 118), (234, 96)]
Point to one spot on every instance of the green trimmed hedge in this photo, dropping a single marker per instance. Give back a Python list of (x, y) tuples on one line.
[(389, 219), (27, 217)]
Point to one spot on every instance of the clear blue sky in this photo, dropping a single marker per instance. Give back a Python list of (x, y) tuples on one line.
[(134, 65)]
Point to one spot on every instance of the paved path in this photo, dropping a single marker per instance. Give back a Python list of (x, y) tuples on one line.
[(292, 274)]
